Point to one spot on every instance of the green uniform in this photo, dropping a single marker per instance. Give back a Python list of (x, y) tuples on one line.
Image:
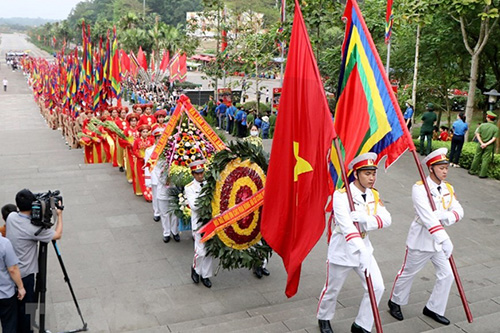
[(428, 118), (272, 123), (483, 157)]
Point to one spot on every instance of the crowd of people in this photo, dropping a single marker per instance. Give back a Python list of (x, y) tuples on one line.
[(237, 121)]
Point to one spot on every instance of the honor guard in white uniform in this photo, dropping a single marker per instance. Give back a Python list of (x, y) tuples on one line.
[(202, 263), (428, 241), (350, 249)]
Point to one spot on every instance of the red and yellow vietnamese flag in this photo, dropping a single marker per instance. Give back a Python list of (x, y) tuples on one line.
[(298, 183)]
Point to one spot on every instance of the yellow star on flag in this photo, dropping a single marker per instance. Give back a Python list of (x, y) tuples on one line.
[(301, 166)]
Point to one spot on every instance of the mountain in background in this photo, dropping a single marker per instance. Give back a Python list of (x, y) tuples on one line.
[(24, 21)]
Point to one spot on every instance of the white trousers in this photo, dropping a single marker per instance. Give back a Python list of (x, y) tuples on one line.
[(169, 221), (156, 207), (335, 278), (414, 261), (202, 263)]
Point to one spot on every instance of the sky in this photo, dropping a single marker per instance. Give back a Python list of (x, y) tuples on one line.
[(48, 9)]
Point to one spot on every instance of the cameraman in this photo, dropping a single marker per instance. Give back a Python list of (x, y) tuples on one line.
[(21, 233)]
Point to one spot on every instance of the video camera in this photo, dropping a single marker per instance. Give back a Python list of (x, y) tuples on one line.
[(41, 208)]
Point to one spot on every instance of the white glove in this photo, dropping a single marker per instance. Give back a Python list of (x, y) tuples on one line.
[(359, 217), (365, 258), (447, 248), (441, 216)]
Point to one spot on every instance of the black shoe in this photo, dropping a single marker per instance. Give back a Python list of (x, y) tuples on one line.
[(440, 319), (324, 326), (121, 169), (395, 310), (265, 272), (156, 218), (471, 173), (195, 276), (177, 238), (355, 328), (258, 272), (166, 239), (483, 177), (206, 282)]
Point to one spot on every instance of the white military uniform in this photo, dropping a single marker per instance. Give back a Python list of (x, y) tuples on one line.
[(424, 243), (343, 252), (202, 263), (151, 179)]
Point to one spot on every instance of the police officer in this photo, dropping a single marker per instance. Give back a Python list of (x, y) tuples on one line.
[(486, 135), (428, 241), (202, 262), (350, 249)]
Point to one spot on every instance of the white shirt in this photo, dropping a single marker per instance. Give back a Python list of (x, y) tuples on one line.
[(346, 241), (192, 192), (426, 233)]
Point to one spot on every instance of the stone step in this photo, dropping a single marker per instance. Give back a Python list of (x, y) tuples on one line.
[(300, 315)]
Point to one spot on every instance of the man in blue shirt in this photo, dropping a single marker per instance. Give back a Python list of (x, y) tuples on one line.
[(408, 114), (459, 127), (230, 114), (241, 122), (220, 111)]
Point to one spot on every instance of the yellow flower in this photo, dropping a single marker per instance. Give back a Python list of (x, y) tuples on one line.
[(192, 151), (181, 151)]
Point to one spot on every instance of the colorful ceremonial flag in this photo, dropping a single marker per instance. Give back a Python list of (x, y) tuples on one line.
[(114, 69), (174, 68), (141, 59), (124, 62), (182, 67), (389, 18), (367, 116), (298, 184), (164, 61)]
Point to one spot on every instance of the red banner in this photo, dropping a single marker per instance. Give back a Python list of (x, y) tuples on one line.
[(200, 123), (232, 215), (164, 137)]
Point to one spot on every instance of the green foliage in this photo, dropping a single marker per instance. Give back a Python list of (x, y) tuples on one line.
[(252, 105)]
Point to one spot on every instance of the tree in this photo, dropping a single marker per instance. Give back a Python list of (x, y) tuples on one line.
[(482, 16)]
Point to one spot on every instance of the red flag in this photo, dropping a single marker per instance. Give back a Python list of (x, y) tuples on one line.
[(298, 183), (141, 58), (182, 67), (164, 61), (174, 68), (125, 61)]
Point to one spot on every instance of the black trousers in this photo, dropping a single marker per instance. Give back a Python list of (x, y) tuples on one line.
[(8, 314), (26, 309), (457, 142)]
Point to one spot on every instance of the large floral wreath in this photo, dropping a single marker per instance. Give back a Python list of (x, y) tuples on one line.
[(234, 175)]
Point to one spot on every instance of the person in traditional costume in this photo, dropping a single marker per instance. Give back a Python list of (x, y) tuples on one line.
[(141, 143)]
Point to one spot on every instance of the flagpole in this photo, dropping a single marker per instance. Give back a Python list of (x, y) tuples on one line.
[(460, 288), (369, 284), (282, 65), (387, 64)]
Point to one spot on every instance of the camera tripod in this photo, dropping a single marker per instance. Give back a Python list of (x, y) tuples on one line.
[(41, 287)]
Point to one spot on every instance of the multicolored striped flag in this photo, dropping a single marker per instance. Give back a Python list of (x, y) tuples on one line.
[(114, 69), (367, 116), (389, 18)]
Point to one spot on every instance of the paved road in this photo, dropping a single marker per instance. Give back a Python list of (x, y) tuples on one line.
[(127, 279)]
